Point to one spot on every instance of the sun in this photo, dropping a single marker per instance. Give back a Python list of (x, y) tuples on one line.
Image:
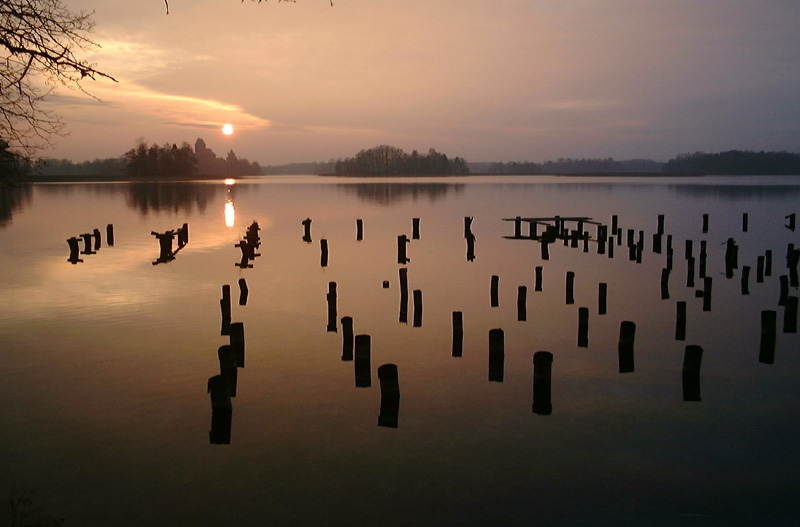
[(227, 129)]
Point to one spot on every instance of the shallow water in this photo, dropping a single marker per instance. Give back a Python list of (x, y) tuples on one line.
[(105, 416)]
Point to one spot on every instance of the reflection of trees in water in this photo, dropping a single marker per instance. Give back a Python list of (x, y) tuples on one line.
[(12, 198), (388, 193), (175, 196), (736, 191)]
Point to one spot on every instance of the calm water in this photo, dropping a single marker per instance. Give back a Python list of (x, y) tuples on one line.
[(105, 416)]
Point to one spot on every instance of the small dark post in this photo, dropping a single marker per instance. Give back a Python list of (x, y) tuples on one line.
[(703, 258), (74, 250), (760, 269), (228, 366), (688, 249), (570, 287), (632, 252), (496, 355), (586, 242), (627, 334), (746, 280), (631, 237), (707, 293), (458, 333), (610, 246), (790, 315), (522, 307), (664, 284), (794, 260), (690, 273), (602, 300), (183, 235), (404, 295), (225, 307), (660, 224), (768, 262), (307, 230), (347, 338), (390, 395), (402, 240), (680, 322), (323, 245), (745, 222), (363, 373), (97, 242), (470, 248), (331, 298), (538, 285), (237, 342), (417, 308), (574, 238), (784, 280), (415, 228), (705, 222), (359, 230), (792, 221), (493, 290), (769, 323), (545, 250), (518, 227), (110, 235), (731, 258), (614, 223), (221, 410), (670, 254), (542, 374), (87, 244), (467, 226), (657, 239), (601, 245), (583, 327), (692, 357)]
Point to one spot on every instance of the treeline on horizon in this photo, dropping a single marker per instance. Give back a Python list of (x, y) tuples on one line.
[(385, 160)]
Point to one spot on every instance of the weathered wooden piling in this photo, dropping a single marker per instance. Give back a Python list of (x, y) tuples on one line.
[(705, 223), (664, 284), (611, 246), (688, 252), (87, 243), (415, 228), (542, 374), (307, 230), (745, 221), (631, 237), (784, 281), (746, 280), (538, 283), (518, 227), (614, 223), (692, 357), (110, 235), (237, 342), (657, 243), (732, 258), (660, 228), (359, 230), (97, 241), (225, 308), (323, 246), (701, 273), (467, 226), (690, 272), (583, 327), (570, 287), (228, 366), (760, 269), (493, 290), (632, 252), (331, 298), (792, 221), (390, 395), (707, 283), (347, 338), (402, 241), (458, 333), (363, 372), (221, 410), (74, 250), (496, 355), (522, 303), (417, 308), (769, 320), (545, 249), (627, 334), (403, 295), (680, 321), (794, 260), (790, 315), (243, 292), (768, 262), (470, 248), (602, 298), (183, 235)]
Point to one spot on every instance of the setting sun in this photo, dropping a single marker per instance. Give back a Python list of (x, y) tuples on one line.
[(227, 129)]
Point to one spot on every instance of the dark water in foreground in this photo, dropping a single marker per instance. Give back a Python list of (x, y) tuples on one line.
[(105, 417)]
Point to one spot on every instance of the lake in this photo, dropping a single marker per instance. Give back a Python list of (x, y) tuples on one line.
[(106, 418)]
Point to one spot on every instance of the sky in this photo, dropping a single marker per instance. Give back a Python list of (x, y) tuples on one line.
[(502, 80)]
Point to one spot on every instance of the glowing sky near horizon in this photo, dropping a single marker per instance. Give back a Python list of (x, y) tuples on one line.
[(484, 80)]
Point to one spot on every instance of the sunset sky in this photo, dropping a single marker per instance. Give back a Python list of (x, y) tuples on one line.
[(503, 80)]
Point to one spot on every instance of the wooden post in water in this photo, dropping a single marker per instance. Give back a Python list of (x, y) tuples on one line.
[(417, 308), (570, 287), (243, 292), (74, 250), (87, 243), (225, 307), (359, 230), (784, 281), (363, 372), (627, 334), (545, 250), (769, 322), (602, 299), (331, 298), (390, 396), (707, 293), (692, 357), (705, 223), (760, 269), (237, 342), (415, 228), (746, 280), (518, 227), (610, 246), (660, 229), (467, 226), (542, 373), (614, 223), (522, 307), (657, 239), (768, 262), (790, 315), (347, 338), (323, 245), (792, 221), (110, 235), (494, 291), (538, 285), (470, 247), (745, 222), (688, 253), (404, 295), (703, 259), (458, 333), (680, 322), (664, 284), (307, 230), (496, 355), (97, 242), (690, 272), (402, 240), (583, 327)]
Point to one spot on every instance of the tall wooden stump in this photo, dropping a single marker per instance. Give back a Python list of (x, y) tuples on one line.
[(390, 396), (542, 372), (692, 357), (347, 338), (458, 334), (627, 334), (363, 372), (496, 355)]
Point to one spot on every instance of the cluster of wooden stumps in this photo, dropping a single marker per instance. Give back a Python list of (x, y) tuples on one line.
[(248, 245), (165, 240), (91, 244), (222, 387)]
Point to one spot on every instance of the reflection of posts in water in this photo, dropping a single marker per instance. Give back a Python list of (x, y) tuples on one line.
[(323, 245), (110, 235), (792, 221), (243, 292), (705, 223), (359, 230), (522, 307), (225, 308), (493, 289), (570, 287), (627, 334), (692, 357), (680, 322), (470, 247), (458, 333), (542, 372), (790, 315), (347, 338), (221, 410), (417, 308), (602, 298), (664, 284), (331, 298), (228, 366), (745, 221), (404, 295), (74, 250), (415, 228), (746, 280), (237, 342), (583, 327), (307, 230), (402, 241), (496, 355), (707, 293), (362, 361), (769, 322), (538, 284), (390, 395)]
